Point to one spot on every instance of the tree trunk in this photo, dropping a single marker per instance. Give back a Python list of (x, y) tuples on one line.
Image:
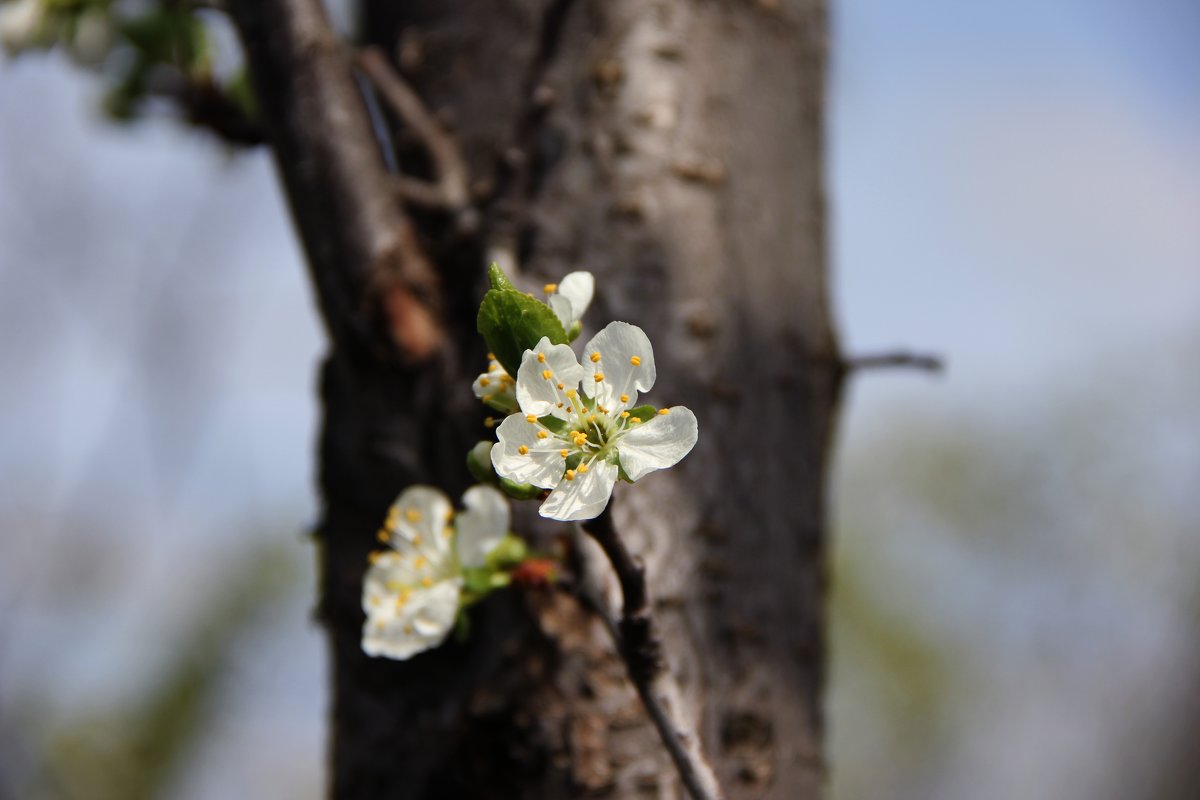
[(673, 148)]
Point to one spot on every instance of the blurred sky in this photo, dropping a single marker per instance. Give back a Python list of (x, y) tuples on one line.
[(1015, 186)]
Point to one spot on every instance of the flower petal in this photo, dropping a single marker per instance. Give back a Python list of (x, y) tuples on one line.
[(658, 443), (400, 629), (419, 515), (496, 388), (626, 362), (542, 369), (582, 498), (573, 297), (541, 464), (482, 525)]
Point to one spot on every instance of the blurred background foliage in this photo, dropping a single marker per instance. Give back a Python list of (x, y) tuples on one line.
[(1014, 568)]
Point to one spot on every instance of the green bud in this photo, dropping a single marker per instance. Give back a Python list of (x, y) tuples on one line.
[(479, 462)]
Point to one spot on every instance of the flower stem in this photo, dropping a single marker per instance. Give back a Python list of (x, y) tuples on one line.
[(641, 649)]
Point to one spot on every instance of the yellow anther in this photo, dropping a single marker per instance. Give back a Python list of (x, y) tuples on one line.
[(491, 356), (447, 532), (420, 562), (486, 398), (380, 624), (662, 412), (543, 435), (560, 386), (635, 419), (602, 409), (635, 360), (485, 381), (523, 450), (547, 374), (541, 358), (383, 535), (374, 600), (449, 514), (375, 556), (427, 581), (563, 453), (595, 357), (530, 418), (416, 540), (591, 418), (599, 376), (583, 468), (571, 393), (624, 415), (490, 422), (412, 515), (570, 475), (550, 288), (560, 405), (624, 398)]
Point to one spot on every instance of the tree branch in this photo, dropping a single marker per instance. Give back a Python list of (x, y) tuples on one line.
[(452, 190), (639, 646), (363, 251), (899, 358)]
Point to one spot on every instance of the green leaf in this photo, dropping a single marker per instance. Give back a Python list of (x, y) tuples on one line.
[(644, 413), (512, 323), (500, 281)]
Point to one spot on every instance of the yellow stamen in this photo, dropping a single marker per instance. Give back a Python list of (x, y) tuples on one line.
[(375, 556), (543, 435), (374, 600), (383, 536), (662, 412), (490, 422), (570, 475), (491, 356), (547, 374), (486, 398), (624, 398), (595, 357), (485, 381), (602, 409), (541, 358), (624, 415), (416, 540), (523, 450), (583, 468), (599, 376), (563, 453), (420, 562), (447, 532), (560, 405), (635, 419), (571, 393), (560, 386), (550, 288), (591, 418), (449, 514), (530, 418), (427, 581), (412, 515), (637, 362)]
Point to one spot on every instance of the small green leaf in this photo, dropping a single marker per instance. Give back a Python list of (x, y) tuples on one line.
[(500, 281), (644, 413), (477, 580), (512, 323)]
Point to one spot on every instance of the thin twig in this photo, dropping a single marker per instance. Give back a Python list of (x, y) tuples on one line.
[(639, 646), (453, 183), (899, 358)]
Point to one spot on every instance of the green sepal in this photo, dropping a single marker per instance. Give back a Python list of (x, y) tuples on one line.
[(576, 329), (499, 280), (644, 413), (477, 580), (520, 491), (479, 462), (573, 460), (511, 323), (553, 423), (511, 551)]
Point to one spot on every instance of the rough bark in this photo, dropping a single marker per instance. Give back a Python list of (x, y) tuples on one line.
[(674, 148)]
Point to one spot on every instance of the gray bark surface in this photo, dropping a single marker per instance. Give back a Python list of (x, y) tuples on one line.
[(673, 148)]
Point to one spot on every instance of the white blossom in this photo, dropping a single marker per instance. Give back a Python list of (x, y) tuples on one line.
[(411, 592), (577, 442)]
